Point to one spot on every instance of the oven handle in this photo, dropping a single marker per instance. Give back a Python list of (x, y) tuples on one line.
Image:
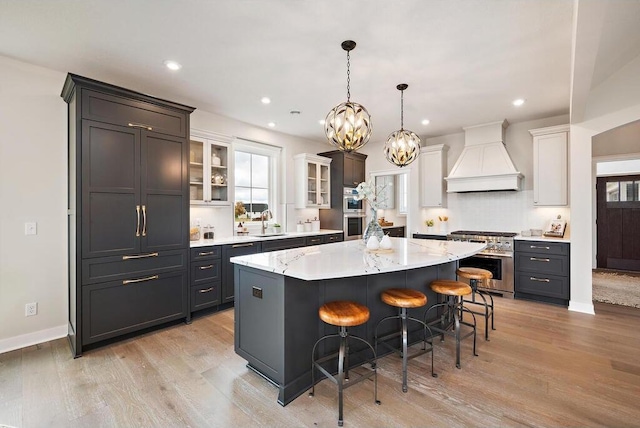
[(493, 256)]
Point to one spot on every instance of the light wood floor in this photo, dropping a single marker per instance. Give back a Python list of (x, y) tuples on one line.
[(544, 366)]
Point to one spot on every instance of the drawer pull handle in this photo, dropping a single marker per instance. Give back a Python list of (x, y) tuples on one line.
[(539, 247), (140, 256), (206, 267), (539, 279), (206, 290), (140, 125), (242, 245), (315, 240), (207, 253), (538, 259), (131, 281)]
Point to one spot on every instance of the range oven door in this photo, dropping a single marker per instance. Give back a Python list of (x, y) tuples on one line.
[(501, 266), (353, 227)]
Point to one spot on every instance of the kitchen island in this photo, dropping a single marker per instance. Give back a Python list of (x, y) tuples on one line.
[(278, 295)]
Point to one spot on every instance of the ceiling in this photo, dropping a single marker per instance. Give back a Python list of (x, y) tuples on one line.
[(464, 61)]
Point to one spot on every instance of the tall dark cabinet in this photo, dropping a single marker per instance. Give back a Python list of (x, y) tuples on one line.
[(128, 211), (347, 170)]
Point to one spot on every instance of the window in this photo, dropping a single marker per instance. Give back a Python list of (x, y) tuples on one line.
[(255, 180), (623, 191)]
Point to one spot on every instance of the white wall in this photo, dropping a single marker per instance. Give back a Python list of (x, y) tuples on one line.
[(33, 171), (33, 177)]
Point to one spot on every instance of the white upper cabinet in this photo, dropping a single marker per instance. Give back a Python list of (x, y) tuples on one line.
[(550, 165), (209, 170), (433, 168), (312, 181)]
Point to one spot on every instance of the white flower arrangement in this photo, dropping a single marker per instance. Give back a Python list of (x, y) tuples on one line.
[(367, 190)]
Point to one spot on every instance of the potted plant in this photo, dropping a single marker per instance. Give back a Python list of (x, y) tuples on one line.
[(429, 223), (276, 228)]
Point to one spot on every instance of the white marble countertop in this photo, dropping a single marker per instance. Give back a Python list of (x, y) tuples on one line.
[(350, 258), (254, 238), (564, 239)]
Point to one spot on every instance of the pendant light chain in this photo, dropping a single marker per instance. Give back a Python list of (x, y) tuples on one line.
[(348, 77)]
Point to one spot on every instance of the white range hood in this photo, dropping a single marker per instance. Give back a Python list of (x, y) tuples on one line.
[(484, 164)]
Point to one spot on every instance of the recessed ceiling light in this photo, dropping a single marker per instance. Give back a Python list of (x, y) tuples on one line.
[(518, 102), (265, 100), (271, 124), (425, 121), (172, 65), (321, 121)]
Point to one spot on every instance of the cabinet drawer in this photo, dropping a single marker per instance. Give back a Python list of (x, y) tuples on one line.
[(205, 295), (112, 308), (314, 240), (282, 244), (205, 253), (206, 270), (394, 232), (542, 247), (125, 111), (542, 263), (334, 238), (113, 268), (542, 285)]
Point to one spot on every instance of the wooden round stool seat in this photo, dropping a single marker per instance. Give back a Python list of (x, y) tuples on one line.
[(403, 298), (450, 287), (344, 313), (474, 273)]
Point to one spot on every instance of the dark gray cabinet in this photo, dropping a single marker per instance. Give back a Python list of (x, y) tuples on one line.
[(394, 232), (229, 251), (542, 271), (429, 236), (128, 211), (206, 278)]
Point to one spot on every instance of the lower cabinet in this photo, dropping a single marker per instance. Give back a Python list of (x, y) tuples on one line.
[(113, 308), (542, 271), (206, 277), (429, 236), (229, 251), (394, 232)]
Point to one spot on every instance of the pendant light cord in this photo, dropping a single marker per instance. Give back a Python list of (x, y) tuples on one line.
[(348, 78), (401, 110)]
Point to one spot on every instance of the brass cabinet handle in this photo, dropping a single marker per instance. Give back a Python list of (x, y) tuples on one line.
[(206, 267), (140, 125), (537, 259), (242, 245), (131, 281), (315, 240), (539, 247), (140, 256), (539, 279), (144, 220), (207, 253), (206, 290), (138, 215)]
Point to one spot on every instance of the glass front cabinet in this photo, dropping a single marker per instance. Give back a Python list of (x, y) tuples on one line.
[(209, 170), (313, 181)]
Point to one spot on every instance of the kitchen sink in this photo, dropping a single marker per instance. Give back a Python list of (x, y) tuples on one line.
[(266, 235)]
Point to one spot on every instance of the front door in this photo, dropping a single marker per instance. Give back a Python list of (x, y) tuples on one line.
[(618, 222)]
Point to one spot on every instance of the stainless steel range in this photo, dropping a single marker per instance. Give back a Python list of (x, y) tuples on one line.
[(496, 258)]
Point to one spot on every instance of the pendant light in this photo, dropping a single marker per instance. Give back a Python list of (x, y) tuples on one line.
[(348, 125), (403, 146)]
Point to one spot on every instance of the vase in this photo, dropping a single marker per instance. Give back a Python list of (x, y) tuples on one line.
[(373, 227), (444, 227)]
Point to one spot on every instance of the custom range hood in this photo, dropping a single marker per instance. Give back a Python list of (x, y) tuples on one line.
[(484, 164)]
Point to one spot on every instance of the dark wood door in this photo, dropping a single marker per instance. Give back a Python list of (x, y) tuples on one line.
[(227, 267), (164, 192), (111, 216), (618, 222)]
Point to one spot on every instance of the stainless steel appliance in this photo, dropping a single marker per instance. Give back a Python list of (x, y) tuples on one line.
[(350, 205), (496, 258), (353, 226)]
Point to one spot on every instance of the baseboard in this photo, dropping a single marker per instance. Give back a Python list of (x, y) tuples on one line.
[(586, 308), (34, 338)]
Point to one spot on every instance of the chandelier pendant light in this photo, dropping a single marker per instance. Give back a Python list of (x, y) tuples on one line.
[(348, 125), (403, 146)]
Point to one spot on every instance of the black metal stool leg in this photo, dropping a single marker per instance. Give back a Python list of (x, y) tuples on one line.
[(341, 361), (405, 339)]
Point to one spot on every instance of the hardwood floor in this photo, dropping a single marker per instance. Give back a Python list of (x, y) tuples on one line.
[(544, 366)]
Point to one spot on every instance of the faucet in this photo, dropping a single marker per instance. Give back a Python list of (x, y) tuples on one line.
[(264, 213)]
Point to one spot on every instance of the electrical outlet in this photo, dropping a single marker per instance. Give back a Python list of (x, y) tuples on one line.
[(31, 309), (31, 228)]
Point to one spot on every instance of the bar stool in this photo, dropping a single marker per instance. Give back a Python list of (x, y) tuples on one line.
[(453, 291), (343, 314), (475, 276), (403, 298)]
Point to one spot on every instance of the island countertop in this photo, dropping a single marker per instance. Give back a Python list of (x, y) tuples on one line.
[(351, 258)]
